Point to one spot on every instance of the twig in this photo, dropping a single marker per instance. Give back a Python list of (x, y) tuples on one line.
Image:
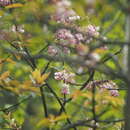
[(111, 121), (43, 49), (58, 99), (94, 105), (42, 94), (45, 68), (15, 105), (89, 79), (44, 102), (114, 22), (79, 123), (110, 56)]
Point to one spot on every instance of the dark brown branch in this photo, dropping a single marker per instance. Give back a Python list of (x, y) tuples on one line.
[(59, 101), (111, 121), (44, 102), (15, 105), (79, 123)]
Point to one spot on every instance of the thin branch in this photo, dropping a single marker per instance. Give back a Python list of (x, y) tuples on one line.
[(119, 89), (112, 42), (46, 67), (94, 105), (110, 56), (89, 79), (43, 49), (114, 22), (44, 102), (79, 123), (58, 99), (111, 121), (84, 85), (63, 58), (103, 112), (15, 105), (28, 58)]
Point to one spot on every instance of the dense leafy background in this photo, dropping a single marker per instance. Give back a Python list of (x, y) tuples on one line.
[(39, 32)]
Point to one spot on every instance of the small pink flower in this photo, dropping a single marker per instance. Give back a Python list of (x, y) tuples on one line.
[(63, 3), (66, 37), (63, 12), (5, 2), (79, 37), (92, 30), (102, 85), (114, 93), (65, 89), (104, 47), (70, 78), (63, 34), (72, 40), (66, 50), (65, 76), (59, 75), (52, 50)]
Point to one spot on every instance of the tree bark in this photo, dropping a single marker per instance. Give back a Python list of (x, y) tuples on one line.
[(127, 71)]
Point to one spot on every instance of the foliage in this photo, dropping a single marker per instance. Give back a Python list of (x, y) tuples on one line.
[(63, 58)]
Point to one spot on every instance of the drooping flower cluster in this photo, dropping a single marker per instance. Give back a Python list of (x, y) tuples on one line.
[(79, 37), (68, 38), (65, 36), (65, 89), (65, 76), (104, 84), (5, 2), (52, 50), (91, 32), (74, 36), (63, 12)]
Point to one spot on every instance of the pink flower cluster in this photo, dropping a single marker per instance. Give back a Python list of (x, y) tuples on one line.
[(5, 2), (114, 93), (52, 50), (64, 34), (65, 89), (65, 76), (79, 37), (63, 3), (63, 12), (104, 84), (66, 37), (91, 32)]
